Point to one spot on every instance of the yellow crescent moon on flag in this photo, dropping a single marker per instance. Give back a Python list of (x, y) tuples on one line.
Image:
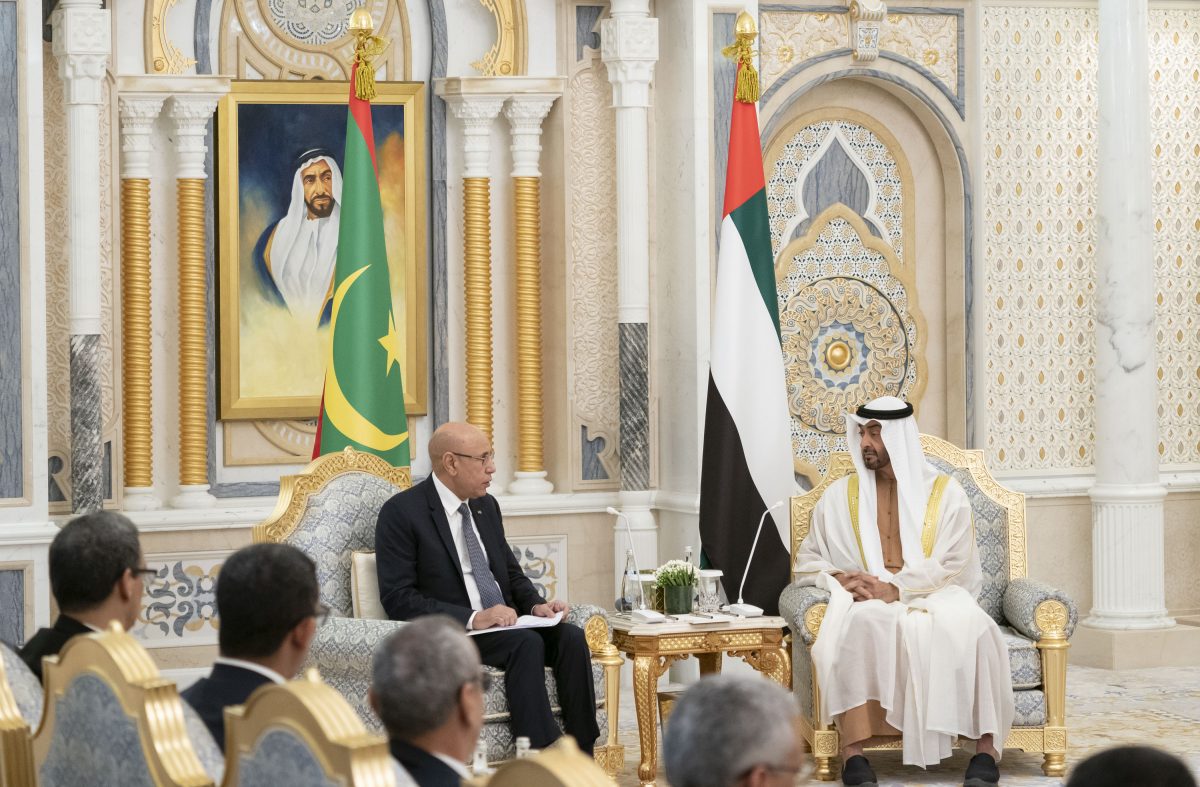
[(342, 414)]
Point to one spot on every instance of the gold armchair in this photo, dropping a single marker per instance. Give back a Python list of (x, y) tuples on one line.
[(1036, 619)]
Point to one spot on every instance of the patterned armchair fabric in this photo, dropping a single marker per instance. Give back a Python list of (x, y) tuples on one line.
[(329, 511), (20, 712), (25, 687), (281, 757), (1036, 619), (207, 750)]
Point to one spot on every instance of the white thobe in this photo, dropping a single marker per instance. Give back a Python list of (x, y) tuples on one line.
[(934, 660)]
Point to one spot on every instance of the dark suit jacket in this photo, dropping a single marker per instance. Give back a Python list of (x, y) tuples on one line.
[(226, 685), (48, 642), (419, 568), (426, 770)]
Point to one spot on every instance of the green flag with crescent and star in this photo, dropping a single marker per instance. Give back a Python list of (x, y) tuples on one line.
[(363, 402)]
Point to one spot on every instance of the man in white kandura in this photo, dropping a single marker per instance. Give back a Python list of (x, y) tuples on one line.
[(904, 645)]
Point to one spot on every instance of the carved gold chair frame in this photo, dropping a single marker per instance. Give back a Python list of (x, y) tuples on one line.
[(315, 713), (150, 700), (16, 740), (1050, 738)]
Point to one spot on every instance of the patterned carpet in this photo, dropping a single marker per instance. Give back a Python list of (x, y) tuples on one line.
[(1159, 707)]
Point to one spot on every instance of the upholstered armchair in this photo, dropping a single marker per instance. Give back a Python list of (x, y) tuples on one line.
[(110, 718), (329, 512), (20, 714), (1036, 619), (304, 734)]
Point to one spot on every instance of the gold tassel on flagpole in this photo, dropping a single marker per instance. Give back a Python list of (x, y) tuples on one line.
[(742, 52), (366, 48)]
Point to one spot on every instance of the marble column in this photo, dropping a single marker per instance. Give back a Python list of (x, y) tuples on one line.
[(1127, 500), (191, 113), (629, 50), (525, 114), (477, 113), (138, 113), (81, 45)]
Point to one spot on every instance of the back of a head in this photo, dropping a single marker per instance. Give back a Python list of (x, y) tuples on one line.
[(1131, 766), (88, 556), (263, 592), (418, 672), (724, 726)]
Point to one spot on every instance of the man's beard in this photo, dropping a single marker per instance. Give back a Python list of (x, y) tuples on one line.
[(320, 210), (874, 462)]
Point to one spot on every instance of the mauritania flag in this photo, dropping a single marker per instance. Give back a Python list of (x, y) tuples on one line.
[(363, 402), (747, 443)]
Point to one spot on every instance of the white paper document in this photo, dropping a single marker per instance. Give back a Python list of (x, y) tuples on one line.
[(523, 622)]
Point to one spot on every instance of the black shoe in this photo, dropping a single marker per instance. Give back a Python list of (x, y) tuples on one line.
[(857, 772), (982, 772)]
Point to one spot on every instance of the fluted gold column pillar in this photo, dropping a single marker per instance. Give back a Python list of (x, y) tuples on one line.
[(191, 113), (525, 113), (138, 113), (477, 113)]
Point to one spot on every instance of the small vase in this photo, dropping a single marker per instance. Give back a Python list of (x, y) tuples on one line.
[(678, 599)]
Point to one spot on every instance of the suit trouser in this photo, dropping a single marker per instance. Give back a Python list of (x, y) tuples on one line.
[(523, 655)]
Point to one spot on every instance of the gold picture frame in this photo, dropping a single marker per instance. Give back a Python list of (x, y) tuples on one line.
[(273, 340)]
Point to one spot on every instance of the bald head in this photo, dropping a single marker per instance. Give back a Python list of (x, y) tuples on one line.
[(462, 459)]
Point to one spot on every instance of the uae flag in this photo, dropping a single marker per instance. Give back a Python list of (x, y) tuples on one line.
[(747, 462), (363, 402)]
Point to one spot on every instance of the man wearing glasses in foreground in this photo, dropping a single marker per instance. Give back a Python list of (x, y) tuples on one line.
[(440, 548), (96, 575), (267, 600)]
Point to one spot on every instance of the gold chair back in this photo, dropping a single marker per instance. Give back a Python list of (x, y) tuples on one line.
[(560, 765), (310, 727), (16, 741), (110, 718)]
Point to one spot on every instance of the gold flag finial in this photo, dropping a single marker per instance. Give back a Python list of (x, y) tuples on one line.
[(366, 47), (741, 51)]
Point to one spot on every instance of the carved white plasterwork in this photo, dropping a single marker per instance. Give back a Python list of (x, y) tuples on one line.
[(58, 330), (629, 49), (283, 39), (930, 40), (592, 272), (1175, 131), (1039, 236), (137, 126), (788, 38)]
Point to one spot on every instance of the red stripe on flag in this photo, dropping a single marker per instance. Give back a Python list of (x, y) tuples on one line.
[(320, 418), (744, 170), (361, 111)]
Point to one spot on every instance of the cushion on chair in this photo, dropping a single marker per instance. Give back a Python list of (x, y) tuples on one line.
[(1024, 660), (1030, 708), (281, 756), (364, 586), (93, 740)]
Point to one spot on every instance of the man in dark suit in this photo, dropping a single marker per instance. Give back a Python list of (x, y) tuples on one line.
[(268, 603), (427, 686), (96, 576), (440, 548)]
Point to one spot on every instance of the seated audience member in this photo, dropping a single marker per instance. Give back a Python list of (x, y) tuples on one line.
[(1131, 766), (427, 686), (440, 547), (267, 601), (96, 576), (732, 730)]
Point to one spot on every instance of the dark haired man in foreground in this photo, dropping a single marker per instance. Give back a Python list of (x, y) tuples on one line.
[(267, 599)]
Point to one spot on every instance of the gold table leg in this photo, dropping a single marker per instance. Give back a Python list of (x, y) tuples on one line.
[(647, 669)]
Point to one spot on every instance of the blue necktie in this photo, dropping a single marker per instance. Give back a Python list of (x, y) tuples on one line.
[(489, 591)]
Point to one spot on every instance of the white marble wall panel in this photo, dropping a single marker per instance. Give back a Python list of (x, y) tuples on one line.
[(1039, 233), (180, 603), (544, 561)]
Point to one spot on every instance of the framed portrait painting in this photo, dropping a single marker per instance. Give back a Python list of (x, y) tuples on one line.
[(280, 147)]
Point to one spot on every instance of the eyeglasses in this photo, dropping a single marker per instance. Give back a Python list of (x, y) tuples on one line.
[(146, 574), (486, 459)]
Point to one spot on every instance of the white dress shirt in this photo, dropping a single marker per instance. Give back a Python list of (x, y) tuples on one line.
[(266, 672), (451, 503)]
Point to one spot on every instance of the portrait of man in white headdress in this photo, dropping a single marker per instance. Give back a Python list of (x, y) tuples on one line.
[(295, 256)]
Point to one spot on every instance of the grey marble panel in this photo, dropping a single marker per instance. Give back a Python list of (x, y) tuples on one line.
[(201, 40), (635, 405), (87, 456), (590, 450), (12, 431), (12, 602), (834, 179), (724, 75), (587, 34), (968, 200), (439, 366)]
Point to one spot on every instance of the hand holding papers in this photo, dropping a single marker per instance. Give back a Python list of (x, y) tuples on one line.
[(523, 622)]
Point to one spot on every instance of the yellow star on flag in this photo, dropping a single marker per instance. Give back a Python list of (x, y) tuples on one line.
[(391, 343)]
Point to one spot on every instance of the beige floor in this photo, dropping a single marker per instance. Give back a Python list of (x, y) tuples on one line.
[(1159, 707)]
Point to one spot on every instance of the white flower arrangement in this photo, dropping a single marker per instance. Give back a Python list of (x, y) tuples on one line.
[(675, 573)]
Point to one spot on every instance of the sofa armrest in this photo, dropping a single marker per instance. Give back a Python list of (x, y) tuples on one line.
[(795, 604), (582, 614), (1021, 600)]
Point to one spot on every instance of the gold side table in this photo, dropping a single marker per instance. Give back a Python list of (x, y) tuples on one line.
[(655, 646)]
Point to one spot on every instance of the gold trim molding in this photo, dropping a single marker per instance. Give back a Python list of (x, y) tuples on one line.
[(509, 56), (162, 56)]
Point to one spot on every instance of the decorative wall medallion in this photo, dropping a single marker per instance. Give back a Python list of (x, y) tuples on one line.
[(180, 603), (308, 39), (162, 56), (544, 561)]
